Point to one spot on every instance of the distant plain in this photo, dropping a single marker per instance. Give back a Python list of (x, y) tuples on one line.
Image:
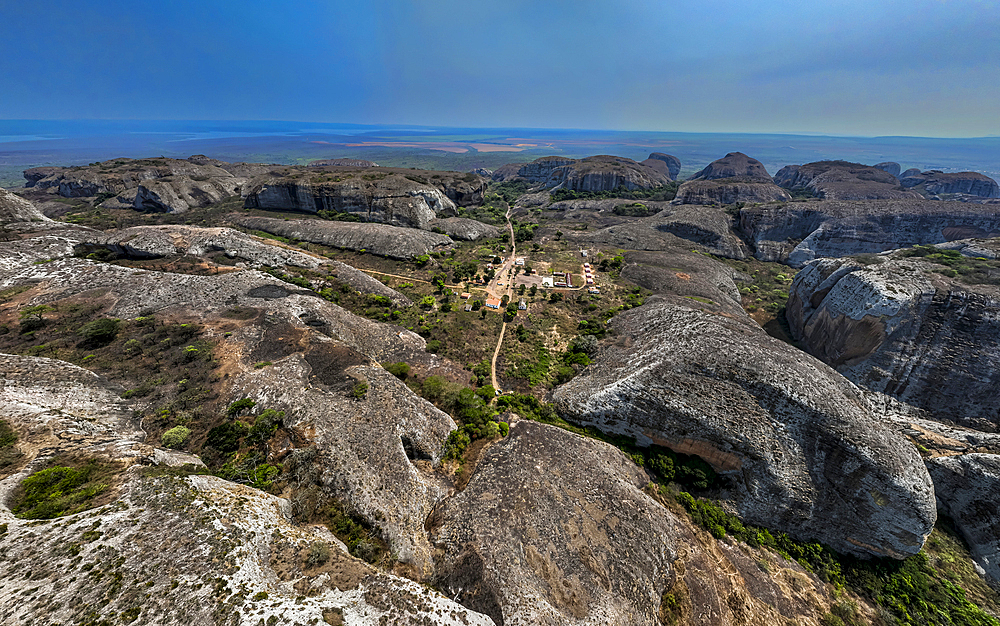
[(33, 143)]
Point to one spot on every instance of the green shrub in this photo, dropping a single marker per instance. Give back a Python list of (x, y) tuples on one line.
[(360, 390), (400, 370), (226, 437), (175, 437), (239, 406), (60, 490), (98, 332)]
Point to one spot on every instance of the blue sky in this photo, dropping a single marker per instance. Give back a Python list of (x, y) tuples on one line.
[(918, 68)]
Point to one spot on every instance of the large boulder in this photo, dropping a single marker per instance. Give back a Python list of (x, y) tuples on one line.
[(797, 233), (803, 450), (889, 166), (841, 180), (664, 163), (902, 328), (554, 529), (15, 209)]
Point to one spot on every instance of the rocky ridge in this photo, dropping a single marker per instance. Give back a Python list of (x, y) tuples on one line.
[(936, 182), (596, 173), (841, 180), (733, 178), (664, 163)]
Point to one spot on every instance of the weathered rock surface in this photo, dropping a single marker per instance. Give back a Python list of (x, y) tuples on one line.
[(380, 239), (729, 191), (555, 529), (966, 487), (392, 199), (799, 441), (841, 180), (198, 550), (686, 278), (664, 163), (464, 228), (150, 242), (14, 209), (596, 173), (706, 225), (734, 165), (900, 328), (936, 182), (797, 233), (177, 195)]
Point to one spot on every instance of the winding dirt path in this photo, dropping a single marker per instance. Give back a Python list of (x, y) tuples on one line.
[(509, 291)]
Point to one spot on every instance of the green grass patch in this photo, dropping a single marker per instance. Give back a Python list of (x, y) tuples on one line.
[(65, 487)]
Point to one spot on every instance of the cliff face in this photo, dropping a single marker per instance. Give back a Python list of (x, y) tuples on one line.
[(797, 233), (936, 182), (840, 180), (391, 200), (900, 328), (15, 209), (799, 441)]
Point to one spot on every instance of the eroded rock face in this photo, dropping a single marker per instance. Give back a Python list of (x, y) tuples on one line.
[(664, 163), (392, 200), (900, 328), (799, 441), (179, 195), (596, 173), (380, 239), (841, 180), (889, 166), (935, 182), (967, 486), (555, 529), (734, 165), (342, 163), (797, 233)]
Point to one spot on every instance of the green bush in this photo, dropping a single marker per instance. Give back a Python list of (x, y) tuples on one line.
[(98, 332), (60, 490), (226, 437), (400, 370), (239, 406), (175, 437), (319, 553), (360, 390)]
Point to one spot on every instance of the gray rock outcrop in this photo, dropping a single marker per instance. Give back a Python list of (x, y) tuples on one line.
[(967, 486), (342, 163), (15, 209), (734, 165), (729, 191), (797, 233), (799, 441), (900, 328), (381, 239), (664, 163), (841, 180), (936, 182)]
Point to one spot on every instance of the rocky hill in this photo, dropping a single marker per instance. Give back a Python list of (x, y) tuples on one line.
[(596, 173), (664, 163), (840, 180), (733, 178), (796, 233)]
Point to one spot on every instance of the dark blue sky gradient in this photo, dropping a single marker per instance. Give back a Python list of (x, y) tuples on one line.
[(920, 67)]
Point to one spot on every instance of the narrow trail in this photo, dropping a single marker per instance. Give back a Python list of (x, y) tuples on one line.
[(508, 291)]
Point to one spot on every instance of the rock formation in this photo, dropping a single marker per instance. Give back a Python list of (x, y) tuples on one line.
[(596, 173), (889, 166), (15, 209), (900, 328), (464, 228), (796, 233), (936, 182), (733, 178), (664, 163), (787, 429), (380, 239), (342, 163), (734, 165), (841, 180)]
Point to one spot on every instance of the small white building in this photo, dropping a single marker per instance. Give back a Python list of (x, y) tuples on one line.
[(522, 305), (547, 281), (519, 261)]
